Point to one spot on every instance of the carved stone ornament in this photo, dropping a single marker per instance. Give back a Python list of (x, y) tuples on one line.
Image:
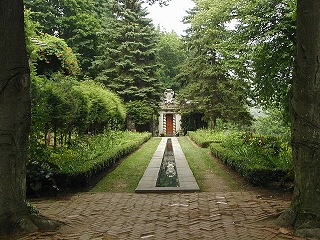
[(168, 96)]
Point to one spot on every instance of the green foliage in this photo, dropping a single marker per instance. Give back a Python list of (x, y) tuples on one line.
[(76, 21), (31, 31), (267, 29), (64, 105), (171, 53), (106, 110), (126, 176), (260, 159), (61, 104), (52, 54), (265, 146), (254, 173), (40, 172), (127, 63), (274, 123), (84, 160), (211, 84), (40, 178), (201, 163), (54, 108), (192, 120), (140, 111), (81, 23), (204, 137), (250, 43), (80, 163)]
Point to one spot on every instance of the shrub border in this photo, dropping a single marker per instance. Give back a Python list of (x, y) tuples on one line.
[(204, 143), (82, 178), (255, 174)]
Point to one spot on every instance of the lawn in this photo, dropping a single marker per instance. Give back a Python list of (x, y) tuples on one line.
[(126, 176), (200, 162)]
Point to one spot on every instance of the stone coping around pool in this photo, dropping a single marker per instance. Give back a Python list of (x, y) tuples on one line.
[(187, 181)]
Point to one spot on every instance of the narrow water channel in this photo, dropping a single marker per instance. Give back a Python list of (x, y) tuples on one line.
[(168, 176)]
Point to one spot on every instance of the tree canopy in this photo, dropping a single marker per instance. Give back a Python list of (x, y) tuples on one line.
[(75, 21), (267, 30), (210, 82), (170, 55), (262, 39), (62, 102), (127, 63)]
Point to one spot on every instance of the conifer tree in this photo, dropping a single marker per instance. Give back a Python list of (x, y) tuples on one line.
[(210, 84), (128, 63)]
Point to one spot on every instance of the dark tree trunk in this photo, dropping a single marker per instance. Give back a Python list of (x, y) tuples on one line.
[(304, 213), (14, 120)]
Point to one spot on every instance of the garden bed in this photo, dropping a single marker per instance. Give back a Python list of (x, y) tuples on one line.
[(80, 174), (261, 160), (79, 165), (253, 171)]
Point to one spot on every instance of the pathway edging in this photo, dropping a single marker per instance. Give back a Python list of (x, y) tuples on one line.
[(187, 181)]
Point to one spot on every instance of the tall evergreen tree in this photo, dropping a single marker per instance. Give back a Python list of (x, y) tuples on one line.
[(210, 84), (128, 64)]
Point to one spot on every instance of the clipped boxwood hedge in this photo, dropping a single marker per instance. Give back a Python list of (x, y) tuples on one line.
[(254, 173), (80, 175)]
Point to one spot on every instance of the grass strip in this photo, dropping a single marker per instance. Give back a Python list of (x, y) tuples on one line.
[(200, 161), (126, 176)]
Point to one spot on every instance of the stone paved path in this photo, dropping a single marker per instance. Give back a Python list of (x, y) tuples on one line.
[(104, 216)]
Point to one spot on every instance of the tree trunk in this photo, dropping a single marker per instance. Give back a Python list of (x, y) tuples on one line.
[(131, 125), (14, 119), (304, 212), (212, 122)]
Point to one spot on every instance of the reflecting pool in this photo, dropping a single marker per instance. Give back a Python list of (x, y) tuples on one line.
[(168, 176)]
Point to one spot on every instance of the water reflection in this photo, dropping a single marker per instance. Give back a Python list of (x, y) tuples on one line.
[(168, 173)]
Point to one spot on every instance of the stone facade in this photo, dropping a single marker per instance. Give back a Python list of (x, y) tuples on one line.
[(169, 117)]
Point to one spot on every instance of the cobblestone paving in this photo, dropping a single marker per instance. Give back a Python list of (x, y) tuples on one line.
[(110, 216)]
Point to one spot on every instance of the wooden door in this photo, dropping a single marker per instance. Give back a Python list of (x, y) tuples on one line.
[(169, 124)]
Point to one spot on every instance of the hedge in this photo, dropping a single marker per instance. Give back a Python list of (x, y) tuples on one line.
[(204, 137), (250, 169), (78, 176)]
